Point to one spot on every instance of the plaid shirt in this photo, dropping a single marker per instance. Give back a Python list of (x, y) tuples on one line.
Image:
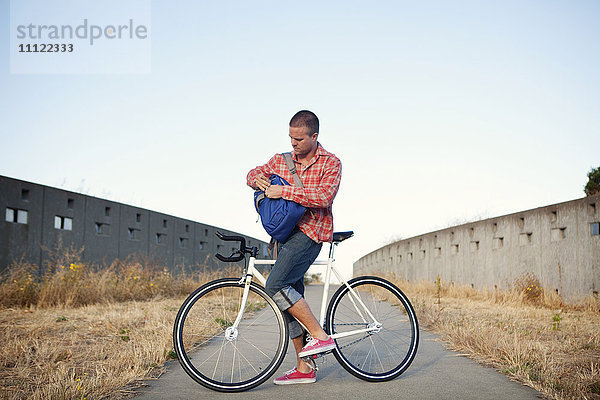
[(321, 180)]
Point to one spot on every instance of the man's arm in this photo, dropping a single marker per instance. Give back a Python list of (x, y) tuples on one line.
[(320, 196), (258, 178)]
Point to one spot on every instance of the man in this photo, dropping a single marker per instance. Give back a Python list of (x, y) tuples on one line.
[(320, 173)]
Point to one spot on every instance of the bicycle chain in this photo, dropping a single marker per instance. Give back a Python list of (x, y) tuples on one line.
[(354, 342)]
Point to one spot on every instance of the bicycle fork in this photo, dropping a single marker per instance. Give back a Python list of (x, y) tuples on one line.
[(231, 332)]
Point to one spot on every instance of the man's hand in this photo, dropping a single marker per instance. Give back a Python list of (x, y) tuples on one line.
[(262, 182), (271, 191), (274, 191)]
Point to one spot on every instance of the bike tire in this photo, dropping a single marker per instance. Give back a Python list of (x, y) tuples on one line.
[(380, 355), (229, 364)]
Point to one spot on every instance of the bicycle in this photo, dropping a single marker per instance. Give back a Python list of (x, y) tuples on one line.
[(230, 336)]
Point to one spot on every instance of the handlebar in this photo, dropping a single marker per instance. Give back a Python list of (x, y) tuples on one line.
[(236, 255)]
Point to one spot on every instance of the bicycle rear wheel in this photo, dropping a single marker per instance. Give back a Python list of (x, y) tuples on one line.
[(384, 352), (218, 358)]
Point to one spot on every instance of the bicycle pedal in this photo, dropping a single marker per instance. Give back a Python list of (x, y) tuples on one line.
[(311, 361), (312, 364), (314, 357)]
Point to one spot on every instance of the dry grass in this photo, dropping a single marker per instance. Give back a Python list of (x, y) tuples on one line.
[(526, 333), (68, 282), (90, 352), (80, 332)]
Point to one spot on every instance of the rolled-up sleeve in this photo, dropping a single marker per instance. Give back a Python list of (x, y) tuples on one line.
[(267, 170)]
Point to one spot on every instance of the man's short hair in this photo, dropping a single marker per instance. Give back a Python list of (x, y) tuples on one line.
[(306, 119)]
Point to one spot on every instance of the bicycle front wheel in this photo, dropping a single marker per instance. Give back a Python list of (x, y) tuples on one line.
[(219, 357), (386, 350)]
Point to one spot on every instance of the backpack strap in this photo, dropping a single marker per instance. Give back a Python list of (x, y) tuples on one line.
[(292, 167), (258, 199)]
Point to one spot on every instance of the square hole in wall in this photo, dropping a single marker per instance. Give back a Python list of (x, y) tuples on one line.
[(63, 223), (70, 203), (161, 238), (16, 216), (474, 245), (410, 256), (10, 215), (497, 243), (102, 229), (24, 194), (557, 234), (22, 217), (454, 249), (165, 223), (107, 211), (525, 239), (187, 230), (183, 242), (553, 216), (138, 217), (521, 222), (202, 246), (592, 208), (133, 234)]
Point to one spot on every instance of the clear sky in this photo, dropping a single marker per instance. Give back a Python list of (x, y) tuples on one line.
[(440, 111)]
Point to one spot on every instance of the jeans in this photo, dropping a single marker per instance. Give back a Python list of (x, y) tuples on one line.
[(286, 281)]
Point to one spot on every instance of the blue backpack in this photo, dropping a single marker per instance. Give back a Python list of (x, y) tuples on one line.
[(279, 217)]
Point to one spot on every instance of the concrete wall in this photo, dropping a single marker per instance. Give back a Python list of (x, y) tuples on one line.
[(37, 219), (496, 251)]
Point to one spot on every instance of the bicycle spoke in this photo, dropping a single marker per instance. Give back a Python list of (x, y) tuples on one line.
[(257, 349), (389, 348), (377, 354), (233, 363), (249, 363), (238, 362), (218, 358)]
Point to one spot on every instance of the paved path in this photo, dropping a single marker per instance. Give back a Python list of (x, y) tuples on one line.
[(436, 373)]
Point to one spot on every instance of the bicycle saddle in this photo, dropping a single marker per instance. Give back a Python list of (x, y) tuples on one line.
[(341, 236)]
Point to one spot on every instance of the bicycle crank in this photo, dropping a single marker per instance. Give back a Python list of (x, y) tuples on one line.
[(312, 359)]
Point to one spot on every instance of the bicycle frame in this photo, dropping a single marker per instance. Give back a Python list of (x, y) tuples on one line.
[(372, 324)]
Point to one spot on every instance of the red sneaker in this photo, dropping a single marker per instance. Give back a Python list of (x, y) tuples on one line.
[(294, 376), (316, 346)]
